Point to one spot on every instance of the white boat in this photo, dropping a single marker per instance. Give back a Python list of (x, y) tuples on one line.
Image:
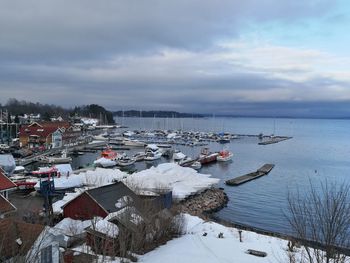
[(152, 152), (126, 161), (184, 161), (196, 165), (224, 156), (134, 143), (105, 163), (140, 156), (56, 160), (178, 156)]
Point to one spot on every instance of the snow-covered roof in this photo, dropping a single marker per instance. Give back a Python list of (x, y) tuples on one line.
[(105, 227), (130, 213), (71, 227)]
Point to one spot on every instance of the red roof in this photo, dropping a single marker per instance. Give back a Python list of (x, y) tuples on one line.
[(42, 129), (5, 182), (6, 206)]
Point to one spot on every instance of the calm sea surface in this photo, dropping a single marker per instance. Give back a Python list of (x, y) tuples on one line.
[(319, 151)]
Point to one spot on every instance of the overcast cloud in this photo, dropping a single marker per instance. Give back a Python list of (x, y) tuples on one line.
[(276, 58)]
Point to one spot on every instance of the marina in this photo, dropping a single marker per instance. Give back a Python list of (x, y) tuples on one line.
[(244, 145)]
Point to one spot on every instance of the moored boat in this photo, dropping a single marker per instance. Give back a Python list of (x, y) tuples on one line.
[(207, 157), (140, 156), (224, 156), (126, 161), (108, 158), (152, 152), (196, 165), (56, 160)]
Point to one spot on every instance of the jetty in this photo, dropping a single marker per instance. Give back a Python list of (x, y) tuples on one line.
[(275, 139), (263, 170)]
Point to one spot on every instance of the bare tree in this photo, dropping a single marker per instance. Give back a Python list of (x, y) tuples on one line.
[(320, 220)]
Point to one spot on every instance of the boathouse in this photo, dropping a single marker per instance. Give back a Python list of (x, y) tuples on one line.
[(100, 201), (6, 184)]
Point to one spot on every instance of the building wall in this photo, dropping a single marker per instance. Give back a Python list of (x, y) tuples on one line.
[(83, 208)]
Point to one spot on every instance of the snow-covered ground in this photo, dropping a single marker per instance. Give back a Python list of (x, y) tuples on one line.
[(194, 247)]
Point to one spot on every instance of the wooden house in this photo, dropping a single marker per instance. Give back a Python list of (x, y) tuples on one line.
[(100, 202), (40, 134), (6, 184)]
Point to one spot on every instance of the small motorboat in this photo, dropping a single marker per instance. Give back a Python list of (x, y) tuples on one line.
[(224, 156), (196, 165), (105, 162), (133, 143), (56, 160), (140, 156), (126, 161)]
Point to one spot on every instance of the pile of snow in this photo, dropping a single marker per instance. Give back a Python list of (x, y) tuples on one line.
[(71, 227), (195, 247), (182, 181)]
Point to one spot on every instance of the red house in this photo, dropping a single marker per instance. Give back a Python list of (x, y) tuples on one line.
[(5, 184), (99, 202)]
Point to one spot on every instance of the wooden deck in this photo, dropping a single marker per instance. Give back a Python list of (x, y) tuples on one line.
[(263, 170)]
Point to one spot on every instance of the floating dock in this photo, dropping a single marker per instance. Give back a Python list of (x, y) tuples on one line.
[(274, 140), (263, 170)]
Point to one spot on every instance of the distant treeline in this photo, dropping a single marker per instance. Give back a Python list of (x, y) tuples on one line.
[(157, 114), (47, 111)]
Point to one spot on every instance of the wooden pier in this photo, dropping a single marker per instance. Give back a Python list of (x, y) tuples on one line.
[(264, 170)]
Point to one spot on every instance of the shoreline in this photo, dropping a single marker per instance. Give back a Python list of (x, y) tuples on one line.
[(202, 204)]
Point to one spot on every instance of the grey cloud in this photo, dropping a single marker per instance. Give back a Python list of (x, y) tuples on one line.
[(66, 30)]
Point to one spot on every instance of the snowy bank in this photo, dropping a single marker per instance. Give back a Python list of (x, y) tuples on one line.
[(183, 181), (194, 247)]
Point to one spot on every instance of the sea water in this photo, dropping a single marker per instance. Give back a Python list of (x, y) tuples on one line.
[(319, 151)]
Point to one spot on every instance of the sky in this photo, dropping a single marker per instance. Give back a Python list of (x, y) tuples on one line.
[(246, 58)]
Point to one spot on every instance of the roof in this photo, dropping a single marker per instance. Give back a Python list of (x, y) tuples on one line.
[(13, 232), (42, 129), (6, 206), (107, 196), (5, 182)]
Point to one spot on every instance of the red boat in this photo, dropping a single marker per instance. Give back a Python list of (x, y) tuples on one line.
[(109, 154), (29, 182), (207, 157)]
